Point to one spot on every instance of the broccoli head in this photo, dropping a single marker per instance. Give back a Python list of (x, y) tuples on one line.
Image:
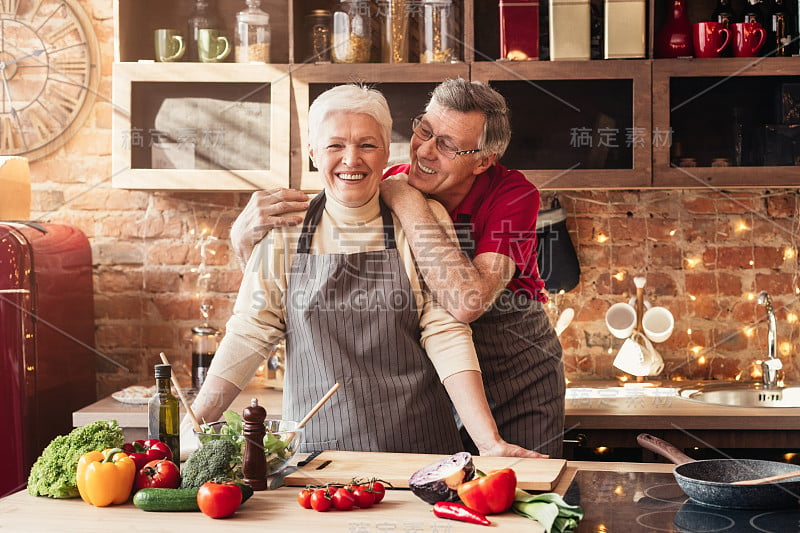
[(216, 459), (54, 473)]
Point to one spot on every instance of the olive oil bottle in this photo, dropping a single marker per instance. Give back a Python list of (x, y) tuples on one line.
[(163, 421)]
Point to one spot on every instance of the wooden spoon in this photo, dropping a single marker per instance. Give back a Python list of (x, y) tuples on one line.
[(313, 411), (769, 479), (319, 405)]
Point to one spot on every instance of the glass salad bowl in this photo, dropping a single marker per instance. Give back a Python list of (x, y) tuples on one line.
[(281, 441)]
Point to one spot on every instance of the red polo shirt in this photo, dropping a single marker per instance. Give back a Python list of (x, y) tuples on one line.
[(502, 207)]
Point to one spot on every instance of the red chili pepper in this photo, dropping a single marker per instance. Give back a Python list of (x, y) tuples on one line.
[(462, 513)]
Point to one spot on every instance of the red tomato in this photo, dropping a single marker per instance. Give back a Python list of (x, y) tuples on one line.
[(219, 500), (158, 474), (304, 498), (343, 499), (320, 500), (378, 490), (364, 498)]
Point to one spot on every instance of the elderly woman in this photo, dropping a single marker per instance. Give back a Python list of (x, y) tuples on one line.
[(344, 291)]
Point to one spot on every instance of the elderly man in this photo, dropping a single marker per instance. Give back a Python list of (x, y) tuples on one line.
[(491, 280)]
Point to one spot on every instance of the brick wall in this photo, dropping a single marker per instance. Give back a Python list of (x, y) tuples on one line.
[(705, 255)]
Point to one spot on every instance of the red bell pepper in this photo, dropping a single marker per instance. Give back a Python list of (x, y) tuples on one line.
[(144, 451), (490, 494), (462, 513)]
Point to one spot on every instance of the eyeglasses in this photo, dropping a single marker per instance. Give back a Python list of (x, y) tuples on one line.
[(445, 147)]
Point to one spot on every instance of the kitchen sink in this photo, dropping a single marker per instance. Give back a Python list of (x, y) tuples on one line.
[(750, 394)]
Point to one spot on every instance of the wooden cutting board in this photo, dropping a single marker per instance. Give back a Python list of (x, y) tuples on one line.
[(396, 468)]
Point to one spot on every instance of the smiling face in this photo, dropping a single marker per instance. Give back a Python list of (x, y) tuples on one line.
[(351, 155), (447, 180)]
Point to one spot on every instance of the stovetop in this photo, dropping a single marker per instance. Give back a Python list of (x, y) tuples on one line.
[(645, 502)]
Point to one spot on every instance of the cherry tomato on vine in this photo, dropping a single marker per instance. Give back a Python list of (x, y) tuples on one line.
[(320, 500), (304, 498), (378, 490), (343, 500), (364, 498)]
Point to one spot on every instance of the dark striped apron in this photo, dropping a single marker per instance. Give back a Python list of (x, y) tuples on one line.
[(523, 369), (352, 319)]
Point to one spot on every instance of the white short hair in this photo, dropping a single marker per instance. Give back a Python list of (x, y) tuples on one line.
[(350, 98)]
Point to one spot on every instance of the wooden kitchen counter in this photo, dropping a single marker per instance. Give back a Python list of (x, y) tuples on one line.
[(606, 421), (273, 510)]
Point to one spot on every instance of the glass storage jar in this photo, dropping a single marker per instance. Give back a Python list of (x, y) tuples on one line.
[(438, 42), (203, 16), (253, 34), (352, 32), (318, 25), (394, 17)]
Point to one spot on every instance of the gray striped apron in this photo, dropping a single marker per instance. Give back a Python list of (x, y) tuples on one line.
[(523, 369), (352, 319)]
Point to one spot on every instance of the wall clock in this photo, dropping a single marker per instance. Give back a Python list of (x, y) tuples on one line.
[(49, 68)]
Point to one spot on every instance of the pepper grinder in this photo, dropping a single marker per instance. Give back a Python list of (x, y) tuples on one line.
[(254, 462)]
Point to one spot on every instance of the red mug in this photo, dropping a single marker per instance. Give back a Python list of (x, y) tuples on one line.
[(709, 38), (748, 38)]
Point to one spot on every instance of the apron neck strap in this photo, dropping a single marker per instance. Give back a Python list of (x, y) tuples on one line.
[(314, 215)]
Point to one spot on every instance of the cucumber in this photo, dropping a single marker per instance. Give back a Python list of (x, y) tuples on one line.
[(166, 500), (172, 500), (246, 491)]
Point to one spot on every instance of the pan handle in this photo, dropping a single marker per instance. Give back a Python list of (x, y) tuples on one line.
[(663, 448)]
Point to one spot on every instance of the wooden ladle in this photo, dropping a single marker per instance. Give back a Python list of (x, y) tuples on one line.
[(769, 479)]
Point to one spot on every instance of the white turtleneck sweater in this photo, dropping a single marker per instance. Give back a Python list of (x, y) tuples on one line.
[(258, 321)]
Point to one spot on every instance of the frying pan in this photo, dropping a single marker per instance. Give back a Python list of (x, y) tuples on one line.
[(710, 482)]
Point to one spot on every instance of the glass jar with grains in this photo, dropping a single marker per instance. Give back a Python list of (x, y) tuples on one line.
[(438, 42), (352, 32), (253, 34), (394, 16), (318, 25)]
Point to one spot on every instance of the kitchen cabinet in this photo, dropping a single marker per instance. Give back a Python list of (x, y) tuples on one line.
[(740, 113), (576, 124), (206, 127)]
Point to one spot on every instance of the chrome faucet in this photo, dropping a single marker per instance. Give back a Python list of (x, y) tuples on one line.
[(771, 366)]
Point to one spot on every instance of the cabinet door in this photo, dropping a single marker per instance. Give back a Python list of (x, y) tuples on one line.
[(210, 126), (580, 124), (733, 122), (406, 87)]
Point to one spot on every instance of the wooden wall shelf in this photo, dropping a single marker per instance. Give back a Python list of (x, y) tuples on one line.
[(551, 102)]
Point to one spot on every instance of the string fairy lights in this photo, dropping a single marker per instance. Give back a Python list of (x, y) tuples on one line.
[(731, 248)]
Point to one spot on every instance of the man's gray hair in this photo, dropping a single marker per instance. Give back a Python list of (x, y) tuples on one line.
[(465, 96), (350, 98)]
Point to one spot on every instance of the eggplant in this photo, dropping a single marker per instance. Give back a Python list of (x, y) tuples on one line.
[(438, 481)]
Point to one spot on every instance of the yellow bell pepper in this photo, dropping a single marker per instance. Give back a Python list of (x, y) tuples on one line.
[(106, 477)]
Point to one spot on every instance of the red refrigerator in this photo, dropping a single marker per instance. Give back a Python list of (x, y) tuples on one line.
[(47, 357)]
